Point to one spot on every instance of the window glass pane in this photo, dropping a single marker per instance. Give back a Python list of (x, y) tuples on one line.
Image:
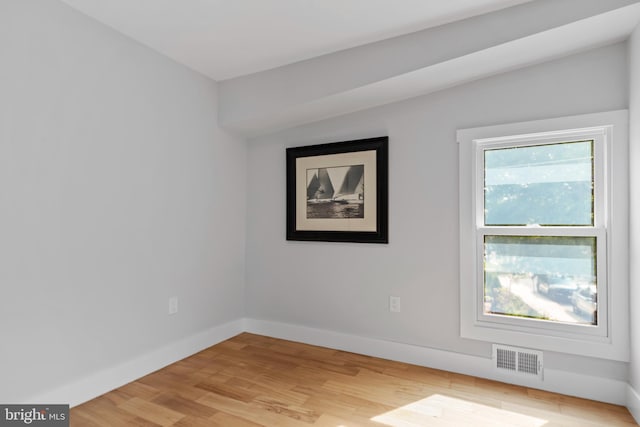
[(542, 277), (549, 184)]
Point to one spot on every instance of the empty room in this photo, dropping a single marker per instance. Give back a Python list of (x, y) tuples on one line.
[(320, 213)]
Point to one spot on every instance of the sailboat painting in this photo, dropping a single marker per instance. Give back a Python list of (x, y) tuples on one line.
[(338, 191), (335, 192)]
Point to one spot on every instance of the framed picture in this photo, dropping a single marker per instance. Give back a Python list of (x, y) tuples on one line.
[(338, 192)]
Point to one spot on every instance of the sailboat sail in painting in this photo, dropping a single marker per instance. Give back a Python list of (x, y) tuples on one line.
[(320, 187), (352, 187), (323, 201)]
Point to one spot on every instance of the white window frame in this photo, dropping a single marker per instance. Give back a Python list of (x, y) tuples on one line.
[(609, 339)]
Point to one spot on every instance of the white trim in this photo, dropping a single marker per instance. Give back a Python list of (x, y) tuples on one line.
[(557, 381), (573, 384), (94, 385), (614, 342), (633, 403)]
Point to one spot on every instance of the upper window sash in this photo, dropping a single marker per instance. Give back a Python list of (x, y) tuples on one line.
[(597, 135)]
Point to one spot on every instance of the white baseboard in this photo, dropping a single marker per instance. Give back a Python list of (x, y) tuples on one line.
[(633, 403), (579, 385), (569, 383), (101, 382)]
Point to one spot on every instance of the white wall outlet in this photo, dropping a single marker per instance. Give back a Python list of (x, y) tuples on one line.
[(173, 305), (394, 304)]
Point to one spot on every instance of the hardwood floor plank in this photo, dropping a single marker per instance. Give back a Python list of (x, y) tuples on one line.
[(227, 390), (280, 392), (249, 412), (194, 421), (138, 389), (150, 411), (183, 405), (222, 419), (102, 413), (161, 381), (256, 381), (283, 408)]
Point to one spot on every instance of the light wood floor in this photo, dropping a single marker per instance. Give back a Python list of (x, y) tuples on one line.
[(252, 380)]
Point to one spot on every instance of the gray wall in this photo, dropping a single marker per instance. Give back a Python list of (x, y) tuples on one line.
[(634, 157), (345, 287), (117, 190)]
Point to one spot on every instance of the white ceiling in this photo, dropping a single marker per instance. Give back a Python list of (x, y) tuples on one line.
[(228, 38)]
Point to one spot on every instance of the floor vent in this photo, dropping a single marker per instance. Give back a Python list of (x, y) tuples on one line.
[(519, 361)]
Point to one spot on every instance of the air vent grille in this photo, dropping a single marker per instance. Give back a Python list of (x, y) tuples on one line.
[(506, 359), (518, 361), (528, 363)]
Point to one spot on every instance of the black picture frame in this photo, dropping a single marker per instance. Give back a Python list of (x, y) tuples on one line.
[(367, 160)]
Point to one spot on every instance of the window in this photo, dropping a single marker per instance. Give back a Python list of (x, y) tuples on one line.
[(538, 257), (541, 230)]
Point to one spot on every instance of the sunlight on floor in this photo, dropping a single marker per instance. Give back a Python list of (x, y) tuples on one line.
[(451, 411)]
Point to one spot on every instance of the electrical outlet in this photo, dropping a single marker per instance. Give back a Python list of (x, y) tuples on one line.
[(394, 304), (173, 305)]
